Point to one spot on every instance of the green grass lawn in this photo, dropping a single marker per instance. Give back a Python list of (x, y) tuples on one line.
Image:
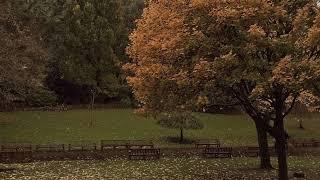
[(193, 168), (64, 127)]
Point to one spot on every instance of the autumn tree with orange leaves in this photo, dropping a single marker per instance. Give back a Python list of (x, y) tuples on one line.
[(265, 54)]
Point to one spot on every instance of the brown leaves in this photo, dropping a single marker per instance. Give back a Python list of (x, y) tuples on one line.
[(313, 38), (22, 57), (209, 43), (189, 168), (256, 32), (158, 47), (309, 100), (159, 34)]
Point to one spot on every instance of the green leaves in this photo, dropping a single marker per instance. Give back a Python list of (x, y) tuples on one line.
[(86, 38), (179, 120), (89, 35)]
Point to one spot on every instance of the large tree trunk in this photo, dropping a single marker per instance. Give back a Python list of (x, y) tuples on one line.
[(264, 153), (281, 147)]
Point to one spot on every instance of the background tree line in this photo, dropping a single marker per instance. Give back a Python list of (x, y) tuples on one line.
[(85, 43)]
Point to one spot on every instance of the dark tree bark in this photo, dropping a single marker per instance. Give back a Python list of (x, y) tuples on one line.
[(281, 135), (261, 125), (265, 162), (281, 147), (181, 135)]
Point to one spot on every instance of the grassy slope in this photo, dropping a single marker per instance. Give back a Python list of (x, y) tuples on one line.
[(63, 127)]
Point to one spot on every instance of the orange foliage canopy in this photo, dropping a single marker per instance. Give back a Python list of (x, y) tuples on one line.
[(263, 53), (257, 51)]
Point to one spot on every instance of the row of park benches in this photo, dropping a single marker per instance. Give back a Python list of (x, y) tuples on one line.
[(137, 149), (298, 143), (79, 145), (128, 144), (142, 149), (218, 151), (208, 152), (88, 145)]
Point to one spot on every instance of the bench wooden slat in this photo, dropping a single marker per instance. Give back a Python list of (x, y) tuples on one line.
[(301, 143), (82, 145), (140, 144), (252, 151), (316, 142), (16, 147), (207, 143), (144, 154), (218, 152), (50, 147), (114, 144), (126, 144)]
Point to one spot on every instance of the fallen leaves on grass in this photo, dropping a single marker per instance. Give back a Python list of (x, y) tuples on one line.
[(164, 169)]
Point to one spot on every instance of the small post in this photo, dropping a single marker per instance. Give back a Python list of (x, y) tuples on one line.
[(300, 124)]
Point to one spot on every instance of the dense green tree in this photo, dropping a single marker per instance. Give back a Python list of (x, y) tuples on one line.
[(87, 55), (87, 41), (22, 58)]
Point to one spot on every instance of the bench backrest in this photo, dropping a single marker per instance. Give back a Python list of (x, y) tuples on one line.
[(140, 142), (207, 142), (16, 146), (82, 145), (144, 151), (54, 147), (300, 140), (218, 149), (114, 142), (253, 148)]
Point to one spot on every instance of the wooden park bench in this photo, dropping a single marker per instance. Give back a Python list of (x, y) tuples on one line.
[(302, 143), (204, 143), (144, 154), (140, 144), (82, 145), (114, 144), (217, 152), (316, 142), (50, 147), (252, 151), (16, 147), (16, 152)]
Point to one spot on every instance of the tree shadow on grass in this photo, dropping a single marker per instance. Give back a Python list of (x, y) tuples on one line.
[(176, 140)]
